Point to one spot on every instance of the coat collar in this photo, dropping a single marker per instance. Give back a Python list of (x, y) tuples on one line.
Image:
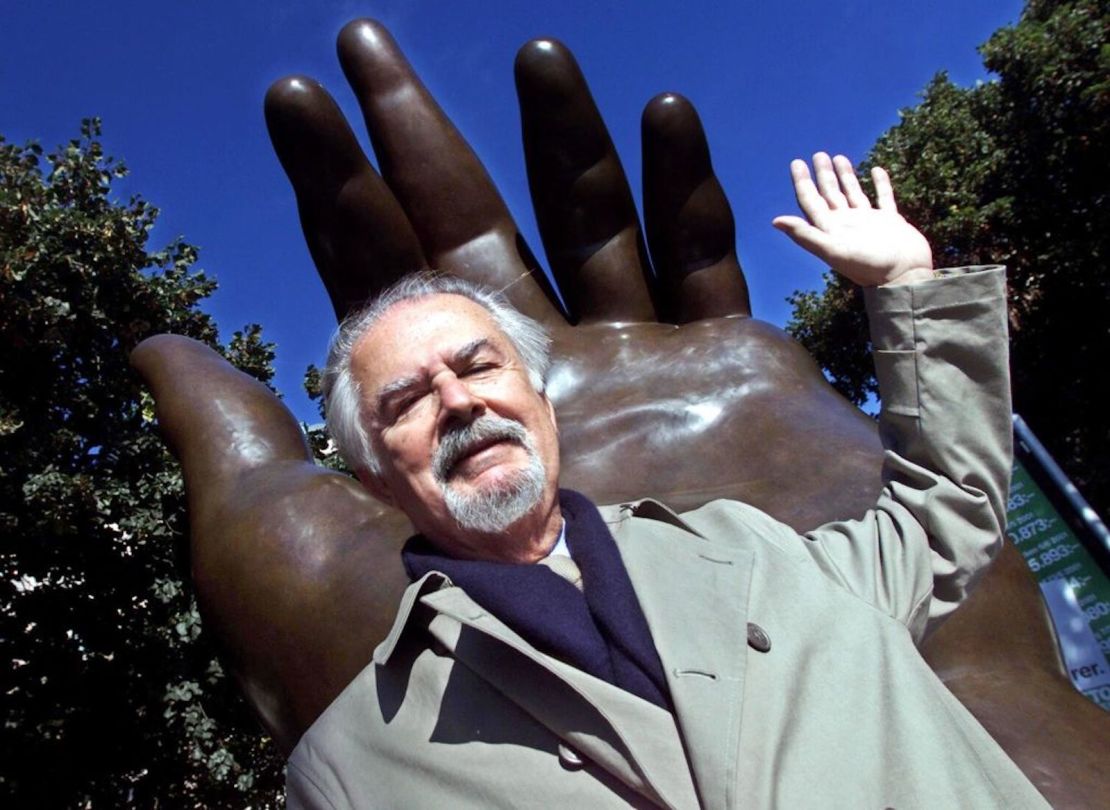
[(703, 654), (631, 738), (634, 740)]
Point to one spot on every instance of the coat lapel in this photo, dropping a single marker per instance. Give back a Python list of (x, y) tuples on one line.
[(632, 739), (694, 594)]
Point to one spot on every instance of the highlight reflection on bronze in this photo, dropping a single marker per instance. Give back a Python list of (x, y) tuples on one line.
[(664, 385)]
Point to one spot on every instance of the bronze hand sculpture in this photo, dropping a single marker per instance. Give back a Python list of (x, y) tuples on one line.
[(664, 385)]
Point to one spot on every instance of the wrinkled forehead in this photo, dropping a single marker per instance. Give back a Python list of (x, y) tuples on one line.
[(414, 333)]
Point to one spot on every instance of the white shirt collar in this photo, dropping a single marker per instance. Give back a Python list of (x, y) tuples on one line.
[(561, 547)]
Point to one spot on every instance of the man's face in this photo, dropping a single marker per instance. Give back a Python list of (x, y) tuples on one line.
[(467, 446)]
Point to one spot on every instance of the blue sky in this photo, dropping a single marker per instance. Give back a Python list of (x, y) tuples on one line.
[(179, 87)]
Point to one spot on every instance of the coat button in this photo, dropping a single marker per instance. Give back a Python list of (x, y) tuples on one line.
[(758, 639), (570, 758)]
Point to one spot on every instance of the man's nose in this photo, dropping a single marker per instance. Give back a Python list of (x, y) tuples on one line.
[(458, 401)]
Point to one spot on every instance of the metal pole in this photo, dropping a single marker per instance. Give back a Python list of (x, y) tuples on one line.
[(1090, 520)]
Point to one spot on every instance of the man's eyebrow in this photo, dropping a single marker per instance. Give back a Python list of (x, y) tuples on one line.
[(474, 347)]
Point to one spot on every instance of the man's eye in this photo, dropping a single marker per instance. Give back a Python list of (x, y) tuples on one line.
[(478, 368), (406, 404), (400, 408)]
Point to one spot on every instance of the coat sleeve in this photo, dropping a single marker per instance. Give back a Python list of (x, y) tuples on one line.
[(941, 358)]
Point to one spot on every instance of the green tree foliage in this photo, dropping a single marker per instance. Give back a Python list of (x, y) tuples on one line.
[(1012, 171), (112, 695)]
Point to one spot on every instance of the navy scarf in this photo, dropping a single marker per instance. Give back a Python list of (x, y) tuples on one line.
[(600, 630)]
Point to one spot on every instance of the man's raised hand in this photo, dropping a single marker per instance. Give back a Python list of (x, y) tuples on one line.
[(869, 245)]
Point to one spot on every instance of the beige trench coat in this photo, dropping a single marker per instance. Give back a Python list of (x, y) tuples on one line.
[(840, 710)]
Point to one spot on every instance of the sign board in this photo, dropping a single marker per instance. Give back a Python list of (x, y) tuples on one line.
[(1075, 588)]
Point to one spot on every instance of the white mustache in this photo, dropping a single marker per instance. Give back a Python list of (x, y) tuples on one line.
[(461, 440)]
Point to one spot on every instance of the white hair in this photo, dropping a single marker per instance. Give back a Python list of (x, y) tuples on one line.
[(343, 393)]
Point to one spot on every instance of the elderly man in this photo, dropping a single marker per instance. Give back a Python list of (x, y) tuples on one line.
[(710, 659)]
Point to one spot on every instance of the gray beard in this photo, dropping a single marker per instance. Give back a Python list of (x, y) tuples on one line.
[(493, 510)]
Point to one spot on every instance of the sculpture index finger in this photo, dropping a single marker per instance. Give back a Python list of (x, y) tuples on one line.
[(457, 213), (359, 237)]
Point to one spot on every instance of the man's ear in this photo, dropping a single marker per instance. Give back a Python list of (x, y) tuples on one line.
[(550, 412), (376, 486)]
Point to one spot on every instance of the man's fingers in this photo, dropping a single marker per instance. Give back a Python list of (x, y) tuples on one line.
[(813, 205), (583, 204), (689, 222), (884, 190), (459, 217), (849, 183), (359, 237), (827, 182), (812, 239)]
